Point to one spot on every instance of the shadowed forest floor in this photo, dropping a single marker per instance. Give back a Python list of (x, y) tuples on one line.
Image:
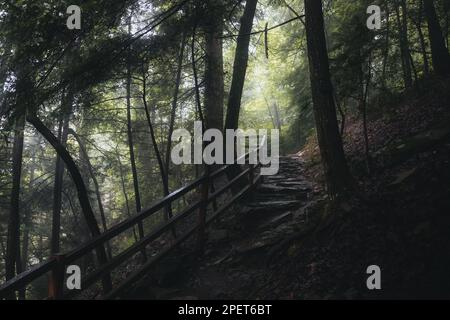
[(287, 242)]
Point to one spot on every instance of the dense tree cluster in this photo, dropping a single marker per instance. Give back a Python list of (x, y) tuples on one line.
[(86, 116)]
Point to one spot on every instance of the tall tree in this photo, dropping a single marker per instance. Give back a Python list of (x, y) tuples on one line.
[(417, 21), (165, 171), (240, 65), (96, 185), (402, 24), (66, 107), (214, 83), (13, 242), (439, 53), (330, 143), (23, 100), (27, 217), (137, 196)]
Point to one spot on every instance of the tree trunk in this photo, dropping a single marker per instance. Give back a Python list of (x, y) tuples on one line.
[(81, 190), (27, 219), (269, 110), (165, 177), (198, 103), (423, 45), (340, 109), (124, 190), (59, 173), (199, 112), (364, 112), (214, 80), (335, 166), (137, 196), (214, 75), (276, 113), (96, 186), (24, 97), (386, 49), (162, 170), (237, 83), (240, 65), (403, 38), (439, 53), (12, 263)]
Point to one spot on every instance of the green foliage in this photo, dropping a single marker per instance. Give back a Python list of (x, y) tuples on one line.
[(36, 46)]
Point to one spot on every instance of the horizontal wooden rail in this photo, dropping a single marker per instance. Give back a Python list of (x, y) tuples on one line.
[(135, 248), (136, 275), (56, 265), (25, 278), (127, 224)]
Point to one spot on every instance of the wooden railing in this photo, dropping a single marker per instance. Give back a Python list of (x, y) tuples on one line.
[(57, 264)]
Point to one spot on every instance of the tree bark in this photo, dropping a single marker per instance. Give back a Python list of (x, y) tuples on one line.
[(340, 109), (124, 190), (237, 82), (198, 103), (214, 80), (240, 66), (335, 166), (214, 75), (439, 53)]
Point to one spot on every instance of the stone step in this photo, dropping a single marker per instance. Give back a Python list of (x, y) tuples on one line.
[(254, 209), (285, 196), (270, 188), (302, 185), (276, 221), (285, 178)]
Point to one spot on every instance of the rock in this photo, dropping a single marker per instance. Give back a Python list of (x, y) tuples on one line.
[(275, 205), (297, 184), (269, 188), (402, 176), (277, 220), (217, 235)]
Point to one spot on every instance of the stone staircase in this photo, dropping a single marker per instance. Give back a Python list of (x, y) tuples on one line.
[(238, 244)]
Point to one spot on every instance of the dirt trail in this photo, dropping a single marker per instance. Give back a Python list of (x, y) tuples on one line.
[(239, 244)]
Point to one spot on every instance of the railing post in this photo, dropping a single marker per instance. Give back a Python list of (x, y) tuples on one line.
[(202, 214), (56, 280)]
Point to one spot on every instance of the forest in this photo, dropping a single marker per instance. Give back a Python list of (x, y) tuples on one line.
[(99, 98)]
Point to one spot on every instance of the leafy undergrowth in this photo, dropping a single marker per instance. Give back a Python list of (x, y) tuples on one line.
[(404, 224)]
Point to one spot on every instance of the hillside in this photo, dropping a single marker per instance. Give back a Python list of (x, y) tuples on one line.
[(400, 225)]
